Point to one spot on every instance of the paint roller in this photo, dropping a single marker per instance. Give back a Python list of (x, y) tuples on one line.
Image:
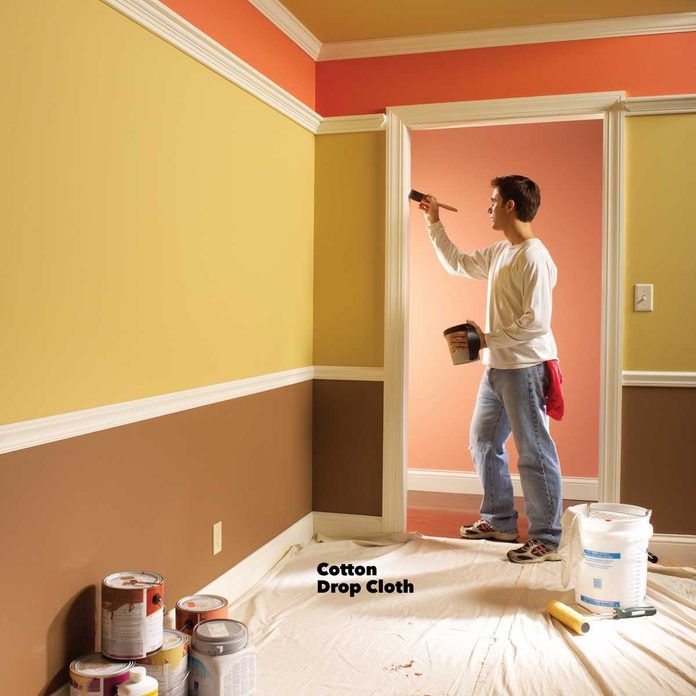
[(418, 197), (581, 624)]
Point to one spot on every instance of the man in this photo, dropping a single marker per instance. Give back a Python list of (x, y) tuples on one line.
[(513, 390)]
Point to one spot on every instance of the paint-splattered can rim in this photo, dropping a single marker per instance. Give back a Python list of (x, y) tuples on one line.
[(193, 600), (173, 639), (96, 665), (141, 580)]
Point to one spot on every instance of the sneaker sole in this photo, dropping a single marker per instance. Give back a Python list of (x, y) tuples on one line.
[(541, 559), (498, 536)]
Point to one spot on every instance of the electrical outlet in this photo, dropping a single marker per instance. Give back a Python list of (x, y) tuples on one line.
[(217, 538), (643, 298)]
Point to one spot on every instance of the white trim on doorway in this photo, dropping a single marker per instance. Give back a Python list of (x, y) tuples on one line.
[(448, 481), (607, 106)]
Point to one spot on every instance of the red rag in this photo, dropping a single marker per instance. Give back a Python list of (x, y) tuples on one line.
[(555, 405)]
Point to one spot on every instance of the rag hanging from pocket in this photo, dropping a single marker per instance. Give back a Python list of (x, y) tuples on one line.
[(554, 397)]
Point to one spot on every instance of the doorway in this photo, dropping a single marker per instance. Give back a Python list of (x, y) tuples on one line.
[(607, 109), (565, 159)]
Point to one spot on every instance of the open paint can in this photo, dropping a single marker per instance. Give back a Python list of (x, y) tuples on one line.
[(132, 615), (169, 665), (458, 354), (95, 675), (196, 608)]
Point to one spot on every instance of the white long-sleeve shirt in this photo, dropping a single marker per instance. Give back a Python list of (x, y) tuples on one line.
[(521, 278)]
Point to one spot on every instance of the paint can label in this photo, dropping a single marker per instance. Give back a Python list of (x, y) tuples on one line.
[(96, 676)]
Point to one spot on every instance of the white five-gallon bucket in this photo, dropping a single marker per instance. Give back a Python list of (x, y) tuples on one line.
[(614, 568)]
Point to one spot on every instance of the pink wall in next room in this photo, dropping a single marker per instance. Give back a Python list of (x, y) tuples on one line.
[(565, 159)]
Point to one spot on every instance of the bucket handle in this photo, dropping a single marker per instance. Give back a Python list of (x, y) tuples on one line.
[(647, 513)]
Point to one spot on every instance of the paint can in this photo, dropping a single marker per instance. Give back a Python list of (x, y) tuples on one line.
[(95, 675), (132, 615), (461, 356), (222, 661), (169, 665), (196, 608)]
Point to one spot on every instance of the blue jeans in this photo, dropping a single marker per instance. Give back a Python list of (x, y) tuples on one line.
[(513, 401)]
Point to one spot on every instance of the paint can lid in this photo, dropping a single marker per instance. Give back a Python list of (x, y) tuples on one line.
[(96, 665), (219, 637), (201, 602), (129, 580), (173, 639)]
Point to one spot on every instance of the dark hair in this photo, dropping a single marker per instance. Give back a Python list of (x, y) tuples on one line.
[(523, 191)]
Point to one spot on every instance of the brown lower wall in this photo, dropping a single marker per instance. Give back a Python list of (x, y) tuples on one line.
[(347, 447), (658, 461), (141, 496)]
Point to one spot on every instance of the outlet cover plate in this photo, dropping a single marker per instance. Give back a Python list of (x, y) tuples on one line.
[(217, 538)]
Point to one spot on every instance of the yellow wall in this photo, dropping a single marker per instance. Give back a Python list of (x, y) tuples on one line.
[(661, 242), (349, 250), (157, 221)]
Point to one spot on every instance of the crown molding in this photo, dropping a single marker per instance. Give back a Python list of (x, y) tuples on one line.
[(352, 124), (635, 378), (511, 36), (175, 30), (290, 25), (651, 106)]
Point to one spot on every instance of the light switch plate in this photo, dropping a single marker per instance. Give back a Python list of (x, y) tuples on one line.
[(643, 298)]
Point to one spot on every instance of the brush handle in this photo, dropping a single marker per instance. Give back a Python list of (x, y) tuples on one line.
[(634, 612), (418, 197)]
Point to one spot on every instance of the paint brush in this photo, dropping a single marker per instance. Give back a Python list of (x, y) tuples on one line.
[(418, 197), (581, 624)]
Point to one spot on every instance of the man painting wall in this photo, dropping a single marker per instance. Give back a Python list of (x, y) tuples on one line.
[(521, 369)]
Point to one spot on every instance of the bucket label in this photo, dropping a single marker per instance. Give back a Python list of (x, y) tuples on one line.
[(599, 602), (601, 554)]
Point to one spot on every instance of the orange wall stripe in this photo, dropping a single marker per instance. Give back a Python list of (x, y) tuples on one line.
[(640, 65), (240, 27)]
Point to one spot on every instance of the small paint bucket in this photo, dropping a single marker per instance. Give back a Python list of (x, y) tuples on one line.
[(196, 608), (132, 615), (169, 665), (95, 675), (459, 355)]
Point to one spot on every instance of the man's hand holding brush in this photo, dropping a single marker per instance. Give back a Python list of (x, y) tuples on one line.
[(430, 208)]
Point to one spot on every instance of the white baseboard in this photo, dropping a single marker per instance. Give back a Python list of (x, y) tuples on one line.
[(63, 691), (674, 548), (445, 481), (335, 524)]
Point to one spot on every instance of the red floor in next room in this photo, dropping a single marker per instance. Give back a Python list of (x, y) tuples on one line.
[(442, 514)]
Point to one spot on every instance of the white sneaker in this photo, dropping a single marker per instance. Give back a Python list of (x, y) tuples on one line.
[(483, 530)]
